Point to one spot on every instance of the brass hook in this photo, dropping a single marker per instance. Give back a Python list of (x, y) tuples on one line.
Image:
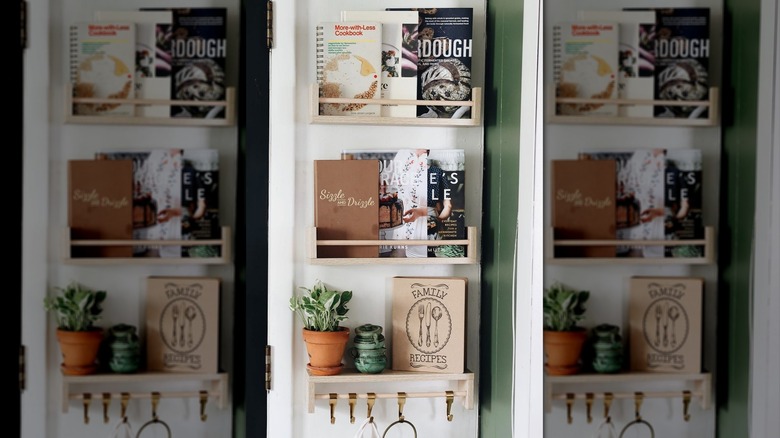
[(155, 402), (569, 404), (332, 401), (589, 406), (204, 397), (352, 401), (123, 403), (450, 398), (106, 403), (638, 398), (370, 406), (401, 403), (608, 396), (86, 399), (686, 404)]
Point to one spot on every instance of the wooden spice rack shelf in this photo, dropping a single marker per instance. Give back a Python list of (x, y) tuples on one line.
[(99, 387), (470, 242), (229, 103), (559, 387), (223, 243), (475, 103), (464, 390), (708, 243), (711, 120)]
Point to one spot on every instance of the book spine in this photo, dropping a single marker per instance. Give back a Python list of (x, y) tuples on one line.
[(556, 53), (74, 53), (319, 53)]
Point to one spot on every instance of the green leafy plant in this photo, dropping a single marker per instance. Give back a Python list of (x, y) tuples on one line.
[(77, 308), (321, 309), (563, 307)]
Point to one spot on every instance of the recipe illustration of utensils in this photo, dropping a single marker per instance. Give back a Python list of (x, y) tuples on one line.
[(175, 312), (428, 324), (436, 313), (421, 313)]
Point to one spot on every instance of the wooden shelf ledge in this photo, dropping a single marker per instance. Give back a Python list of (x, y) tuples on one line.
[(475, 103), (560, 387), (229, 103), (470, 242), (708, 243), (223, 243), (712, 104), (114, 385), (464, 390)]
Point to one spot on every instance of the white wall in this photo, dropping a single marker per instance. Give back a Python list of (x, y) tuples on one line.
[(294, 145), (609, 284), (49, 143), (765, 342)]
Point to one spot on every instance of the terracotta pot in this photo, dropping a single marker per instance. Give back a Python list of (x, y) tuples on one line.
[(326, 349), (79, 351), (562, 350)]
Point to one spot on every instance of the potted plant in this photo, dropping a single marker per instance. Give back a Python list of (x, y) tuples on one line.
[(77, 309), (321, 310), (563, 338)]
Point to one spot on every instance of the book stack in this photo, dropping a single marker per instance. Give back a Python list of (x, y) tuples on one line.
[(400, 54)]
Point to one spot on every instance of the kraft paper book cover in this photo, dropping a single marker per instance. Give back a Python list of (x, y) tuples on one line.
[(100, 195), (182, 324), (102, 65), (349, 64), (665, 317), (583, 205), (429, 324), (346, 205)]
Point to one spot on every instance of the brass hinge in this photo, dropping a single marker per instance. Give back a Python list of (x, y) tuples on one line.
[(22, 369), (269, 18), (267, 367), (23, 23)]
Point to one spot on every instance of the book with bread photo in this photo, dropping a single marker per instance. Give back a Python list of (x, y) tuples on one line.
[(394, 85), (635, 60), (349, 65), (102, 65), (403, 198), (100, 195), (345, 206), (585, 66), (152, 78), (583, 205)]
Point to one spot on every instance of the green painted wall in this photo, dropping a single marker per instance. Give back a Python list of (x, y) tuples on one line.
[(741, 49), (502, 134)]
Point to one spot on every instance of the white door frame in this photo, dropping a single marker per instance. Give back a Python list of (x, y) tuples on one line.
[(528, 392), (765, 340)]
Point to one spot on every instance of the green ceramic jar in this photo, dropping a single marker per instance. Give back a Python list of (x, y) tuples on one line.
[(125, 349), (607, 349)]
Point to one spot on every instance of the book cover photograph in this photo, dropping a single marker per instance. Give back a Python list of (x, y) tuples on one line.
[(403, 198), (102, 65), (665, 324), (346, 206), (152, 66), (429, 324), (182, 324), (682, 53), (393, 84), (157, 189), (446, 200), (100, 197), (583, 205), (200, 201), (684, 201), (197, 42), (349, 65), (585, 65), (635, 62), (639, 198), (444, 46)]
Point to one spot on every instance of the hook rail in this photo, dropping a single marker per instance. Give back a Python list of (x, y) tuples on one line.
[(394, 395)]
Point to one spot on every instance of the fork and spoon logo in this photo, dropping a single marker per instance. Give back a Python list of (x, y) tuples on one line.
[(433, 324), (666, 325)]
